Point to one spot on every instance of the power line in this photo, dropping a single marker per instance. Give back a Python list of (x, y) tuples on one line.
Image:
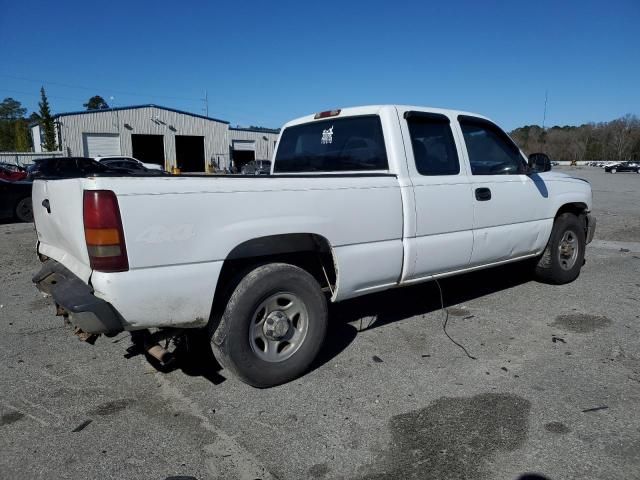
[(31, 94), (229, 111), (84, 87)]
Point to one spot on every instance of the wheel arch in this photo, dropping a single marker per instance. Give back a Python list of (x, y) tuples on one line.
[(580, 210), (310, 251), (577, 208)]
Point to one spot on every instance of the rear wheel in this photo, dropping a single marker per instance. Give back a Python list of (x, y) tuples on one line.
[(563, 258), (24, 210), (613, 170), (273, 325)]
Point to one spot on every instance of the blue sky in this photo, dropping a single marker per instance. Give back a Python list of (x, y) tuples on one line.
[(264, 63)]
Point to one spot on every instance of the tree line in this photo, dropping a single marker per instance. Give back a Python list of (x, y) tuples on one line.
[(618, 139), (14, 124)]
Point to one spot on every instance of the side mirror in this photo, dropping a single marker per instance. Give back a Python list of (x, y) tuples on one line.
[(539, 162)]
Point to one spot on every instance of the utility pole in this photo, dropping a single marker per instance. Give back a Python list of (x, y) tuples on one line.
[(544, 115), (206, 103)]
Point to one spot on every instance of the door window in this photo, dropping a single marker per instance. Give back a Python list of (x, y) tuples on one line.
[(434, 149), (490, 150)]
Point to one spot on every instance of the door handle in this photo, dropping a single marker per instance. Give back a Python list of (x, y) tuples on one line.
[(483, 194)]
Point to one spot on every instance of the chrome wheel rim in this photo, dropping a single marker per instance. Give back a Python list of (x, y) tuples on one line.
[(568, 249), (278, 327)]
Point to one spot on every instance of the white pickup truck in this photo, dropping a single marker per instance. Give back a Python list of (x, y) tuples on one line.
[(359, 200)]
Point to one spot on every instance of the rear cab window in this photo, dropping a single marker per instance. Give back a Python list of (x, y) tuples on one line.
[(348, 144)]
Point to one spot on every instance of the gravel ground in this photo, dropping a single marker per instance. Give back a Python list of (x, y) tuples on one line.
[(553, 386)]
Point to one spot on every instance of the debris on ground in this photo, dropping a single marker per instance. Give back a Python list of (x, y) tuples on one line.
[(82, 426), (595, 409)]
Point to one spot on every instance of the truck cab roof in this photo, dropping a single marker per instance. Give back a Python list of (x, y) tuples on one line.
[(375, 110)]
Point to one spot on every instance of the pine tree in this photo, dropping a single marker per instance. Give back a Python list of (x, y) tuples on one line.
[(48, 126), (22, 140)]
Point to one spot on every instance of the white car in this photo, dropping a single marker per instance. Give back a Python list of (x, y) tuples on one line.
[(360, 200), (150, 166)]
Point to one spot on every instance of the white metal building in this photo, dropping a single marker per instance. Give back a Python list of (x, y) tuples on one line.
[(155, 134)]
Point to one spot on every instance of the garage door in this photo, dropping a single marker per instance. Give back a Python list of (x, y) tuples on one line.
[(244, 145), (101, 144)]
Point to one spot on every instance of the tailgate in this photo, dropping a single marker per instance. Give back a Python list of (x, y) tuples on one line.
[(57, 211)]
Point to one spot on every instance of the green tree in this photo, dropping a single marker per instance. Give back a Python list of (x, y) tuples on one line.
[(96, 103), (21, 135), (11, 111), (48, 126)]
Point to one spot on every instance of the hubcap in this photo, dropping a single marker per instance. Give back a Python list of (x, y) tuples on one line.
[(568, 250), (278, 327)]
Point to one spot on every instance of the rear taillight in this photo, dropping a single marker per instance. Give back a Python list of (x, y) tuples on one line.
[(103, 231)]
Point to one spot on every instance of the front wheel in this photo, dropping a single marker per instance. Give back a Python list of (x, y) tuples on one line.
[(564, 255), (613, 170), (273, 325)]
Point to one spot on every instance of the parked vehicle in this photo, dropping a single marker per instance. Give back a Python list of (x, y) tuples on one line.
[(361, 200), (15, 200), (622, 167), (73, 167), (11, 172), (132, 166), (128, 160), (257, 167), (65, 167)]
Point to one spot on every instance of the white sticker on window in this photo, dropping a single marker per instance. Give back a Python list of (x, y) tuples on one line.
[(327, 136)]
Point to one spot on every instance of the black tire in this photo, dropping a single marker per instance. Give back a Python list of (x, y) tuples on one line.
[(556, 265), (24, 210), (244, 355)]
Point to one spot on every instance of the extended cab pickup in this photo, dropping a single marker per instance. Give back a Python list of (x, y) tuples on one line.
[(360, 200)]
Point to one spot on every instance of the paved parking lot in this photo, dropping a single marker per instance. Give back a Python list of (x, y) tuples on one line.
[(551, 383)]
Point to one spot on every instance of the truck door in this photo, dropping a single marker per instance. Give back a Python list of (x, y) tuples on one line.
[(442, 191), (508, 205)]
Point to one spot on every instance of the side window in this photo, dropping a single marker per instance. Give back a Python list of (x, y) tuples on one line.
[(434, 148), (491, 151)]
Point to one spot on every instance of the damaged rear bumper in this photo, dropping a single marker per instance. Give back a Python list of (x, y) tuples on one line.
[(86, 311)]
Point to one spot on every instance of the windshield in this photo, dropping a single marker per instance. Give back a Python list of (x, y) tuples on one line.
[(333, 145)]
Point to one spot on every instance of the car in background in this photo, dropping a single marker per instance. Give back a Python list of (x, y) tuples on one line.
[(132, 166), (110, 158), (257, 167), (622, 167), (66, 167), (15, 200), (11, 172)]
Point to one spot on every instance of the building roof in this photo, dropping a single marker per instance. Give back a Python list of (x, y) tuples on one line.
[(256, 129), (132, 107)]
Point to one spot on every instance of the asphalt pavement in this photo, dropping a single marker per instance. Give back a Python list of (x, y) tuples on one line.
[(545, 380)]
